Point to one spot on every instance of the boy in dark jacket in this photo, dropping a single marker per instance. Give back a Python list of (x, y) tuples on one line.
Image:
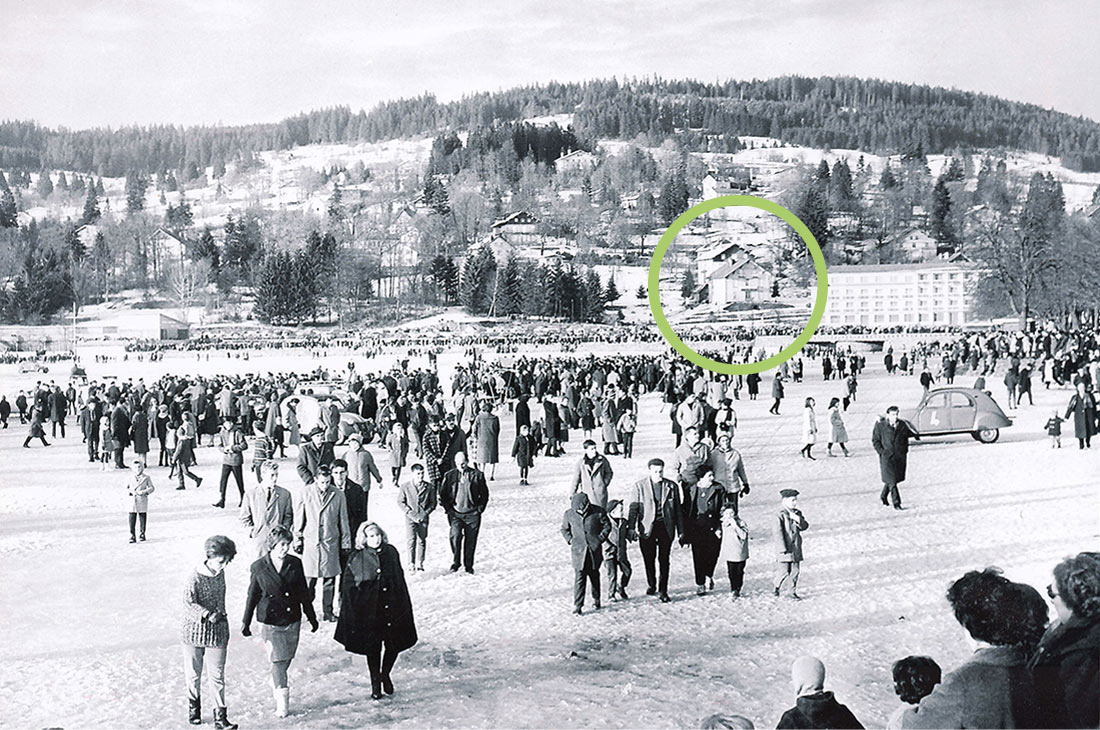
[(524, 449), (585, 527), (814, 707), (614, 550)]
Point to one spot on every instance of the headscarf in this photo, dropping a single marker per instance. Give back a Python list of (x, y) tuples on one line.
[(807, 675)]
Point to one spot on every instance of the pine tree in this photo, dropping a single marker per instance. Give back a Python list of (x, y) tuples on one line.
[(73, 245), (91, 208), (45, 186), (821, 174), (840, 184), (9, 214), (812, 208), (99, 187), (593, 297), (612, 292), (207, 250), (941, 213), (510, 293), (887, 181), (1096, 195), (687, 286), (642, 292), (137, 184), (335, 205), (953, 172)]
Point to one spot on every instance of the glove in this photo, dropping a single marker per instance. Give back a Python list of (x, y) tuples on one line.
[(745, 490), (246, 631), (299, 546), (683, 541), (313, 625)]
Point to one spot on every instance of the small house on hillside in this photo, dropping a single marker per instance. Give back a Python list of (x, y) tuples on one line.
[(741, 281), (729, 180), (519, 228), (913, 244), (576, 161)]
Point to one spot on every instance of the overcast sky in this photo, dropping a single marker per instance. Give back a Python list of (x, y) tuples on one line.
[(110, 62)]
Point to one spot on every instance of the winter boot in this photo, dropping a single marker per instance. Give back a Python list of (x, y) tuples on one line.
[(221, 722), (282, 701), (194, 712)]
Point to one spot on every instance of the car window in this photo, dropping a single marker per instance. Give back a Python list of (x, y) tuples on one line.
[(938, 400), (961, 400)]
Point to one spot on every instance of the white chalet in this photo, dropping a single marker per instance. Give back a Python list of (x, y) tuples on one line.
[(519, 228), (739, 280), (576, 161)]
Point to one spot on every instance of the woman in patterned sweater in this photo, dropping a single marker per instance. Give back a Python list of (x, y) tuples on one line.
[(205, 629)]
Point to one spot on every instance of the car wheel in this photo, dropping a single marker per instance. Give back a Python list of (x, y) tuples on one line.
[(987, 435)]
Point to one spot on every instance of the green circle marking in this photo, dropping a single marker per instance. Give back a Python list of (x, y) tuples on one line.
[(669, 236)]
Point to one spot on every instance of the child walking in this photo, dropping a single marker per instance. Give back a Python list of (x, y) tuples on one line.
[(616, 560), (523, 450), (735, 548), (788, 542), (627, 425), (1054, 430), (106, 443), (138, 488)]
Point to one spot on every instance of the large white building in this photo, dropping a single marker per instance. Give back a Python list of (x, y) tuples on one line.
[(884, 295)]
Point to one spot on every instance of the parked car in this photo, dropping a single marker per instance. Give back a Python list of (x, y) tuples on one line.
[(32, 366), (958, 410)]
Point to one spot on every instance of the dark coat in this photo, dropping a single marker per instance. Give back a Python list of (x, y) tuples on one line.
[(454, 441), (524, 451), (278, 598), (374, 602), (523, 413), (585, 534), (820, 710), (702, 510), (309, 460), (140, 432), (1083, 411), (1066, 669), (356, 498), (777, 388), (892, 445), (993, 689), (479, 490), (120, 426), (486, 434)]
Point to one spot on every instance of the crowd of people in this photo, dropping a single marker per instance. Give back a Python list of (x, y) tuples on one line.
[(444, 439)]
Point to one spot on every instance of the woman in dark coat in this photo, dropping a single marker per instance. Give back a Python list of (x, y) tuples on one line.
[(703, 504), (1066, 666), (1082, 406), (139, 435), (278, 596), (375, 609)]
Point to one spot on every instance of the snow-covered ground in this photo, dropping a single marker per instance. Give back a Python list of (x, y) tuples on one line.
[(91, 621)]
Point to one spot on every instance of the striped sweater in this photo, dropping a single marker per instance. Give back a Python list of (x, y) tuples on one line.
[(204, 619)]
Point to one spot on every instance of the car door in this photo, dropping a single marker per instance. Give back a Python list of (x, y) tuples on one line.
[(935, 414), (963, 409)]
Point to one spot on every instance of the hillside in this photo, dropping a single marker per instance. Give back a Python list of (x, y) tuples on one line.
[(873, 116)]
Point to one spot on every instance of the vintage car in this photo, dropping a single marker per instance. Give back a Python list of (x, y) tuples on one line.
[(958, 410), (309, 402), (32, 366)]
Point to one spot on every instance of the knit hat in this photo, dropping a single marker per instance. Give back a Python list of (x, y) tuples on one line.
[(580, 501), (807, 675)]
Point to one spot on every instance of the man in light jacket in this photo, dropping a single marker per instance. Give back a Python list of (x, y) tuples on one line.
[(324, 536), (417, 500), (267, 506)]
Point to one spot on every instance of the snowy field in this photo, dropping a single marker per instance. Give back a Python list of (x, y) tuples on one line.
[(91, 621)]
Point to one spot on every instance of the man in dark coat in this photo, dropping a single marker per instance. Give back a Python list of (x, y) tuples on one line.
[(59, 408), (454, 440), (585, 527), (463, 495), (21, 405), (523, 411), (354, 495), (891, 440), (311, 456), (5, 410), (120, 431), (1082, 406)]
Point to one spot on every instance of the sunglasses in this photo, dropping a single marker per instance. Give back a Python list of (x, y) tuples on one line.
[(1050, 592)]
